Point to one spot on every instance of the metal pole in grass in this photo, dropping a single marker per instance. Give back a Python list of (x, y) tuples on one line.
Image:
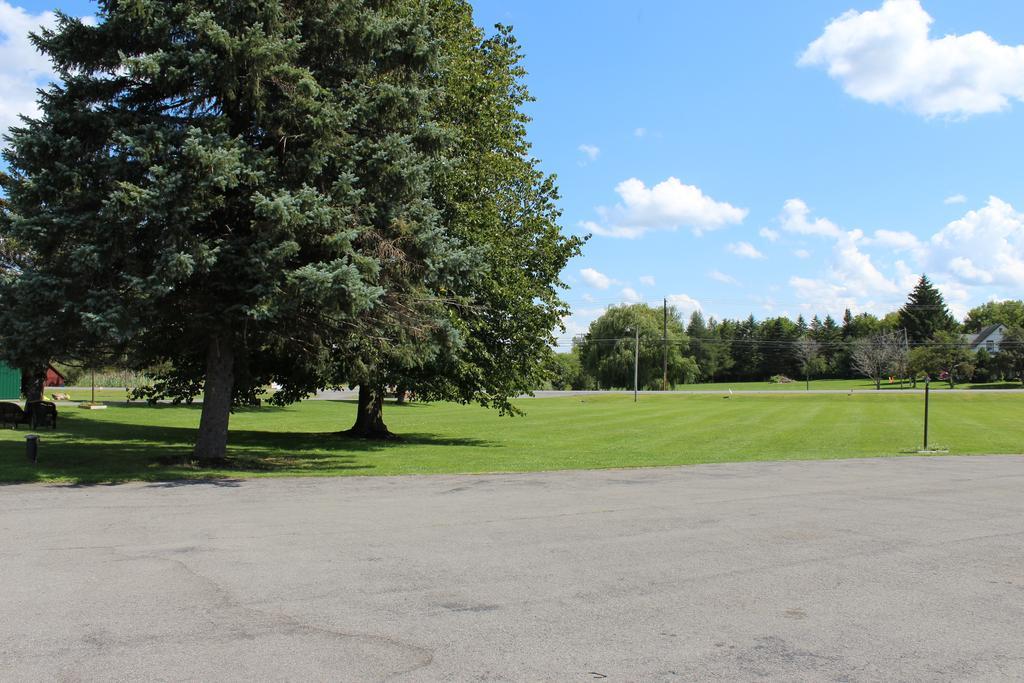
[(636, 363), (664, 344), (927, 386)]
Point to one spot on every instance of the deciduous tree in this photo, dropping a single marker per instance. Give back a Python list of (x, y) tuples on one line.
[(608, 349)]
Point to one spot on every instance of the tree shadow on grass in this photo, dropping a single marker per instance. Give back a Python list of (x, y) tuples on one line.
[(106, 451), (218, 482)]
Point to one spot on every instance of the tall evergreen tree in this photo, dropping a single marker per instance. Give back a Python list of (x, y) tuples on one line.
[(746, 350), (830, 337), (847, 323), (925, 313)]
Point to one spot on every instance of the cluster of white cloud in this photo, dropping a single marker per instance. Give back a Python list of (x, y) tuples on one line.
[(874, 271), (22, 69), (668, 205), (984, 247), (850, 279), (794, 219), (887, 56)]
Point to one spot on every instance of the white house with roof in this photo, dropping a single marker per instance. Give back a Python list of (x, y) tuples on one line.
[(988, 338)]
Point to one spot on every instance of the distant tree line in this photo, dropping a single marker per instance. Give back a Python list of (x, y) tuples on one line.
[(921, 339)]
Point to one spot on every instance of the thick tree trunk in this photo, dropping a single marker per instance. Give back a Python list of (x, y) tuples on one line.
[(33, 384), (212, 440), (370, 415)]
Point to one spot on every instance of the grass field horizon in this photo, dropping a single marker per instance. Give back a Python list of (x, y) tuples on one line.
[(129, 442)]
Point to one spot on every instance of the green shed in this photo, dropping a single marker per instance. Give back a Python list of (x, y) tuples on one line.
[(10, 382)]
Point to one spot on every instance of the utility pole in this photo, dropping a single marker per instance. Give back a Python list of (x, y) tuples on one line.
[(927, 386), (636, 363), (664, 352)]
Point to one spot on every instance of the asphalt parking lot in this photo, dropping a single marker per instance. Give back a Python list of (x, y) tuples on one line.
[(902, 568)]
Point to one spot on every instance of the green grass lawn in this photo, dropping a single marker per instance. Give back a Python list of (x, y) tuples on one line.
[(85, 394), (142, 442)]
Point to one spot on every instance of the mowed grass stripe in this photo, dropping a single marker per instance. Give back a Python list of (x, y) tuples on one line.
[(594, 431)]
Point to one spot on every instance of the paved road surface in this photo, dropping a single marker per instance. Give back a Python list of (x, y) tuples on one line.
[(908, 568)]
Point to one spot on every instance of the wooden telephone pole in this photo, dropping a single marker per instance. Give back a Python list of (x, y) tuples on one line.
[(664, 343)]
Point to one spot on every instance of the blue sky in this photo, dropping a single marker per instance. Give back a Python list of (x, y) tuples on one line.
[(766, 158)]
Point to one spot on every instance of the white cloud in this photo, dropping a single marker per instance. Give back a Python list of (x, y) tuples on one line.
[(684, 303), (744, 249), (956, 297), (954, 199), (895, 240), (855, 271), (899, 241), (982, 249), (596, 279), (976, 257), (965, 268), (984, 246), (631, 296), (639, 132), (719, 276), (819, 295), (22, 68), (794, 219), (905, 277), (647, 280), (769, 234), (668, 205), (590, 151), (851, 279), (886, 56), (622, 232)]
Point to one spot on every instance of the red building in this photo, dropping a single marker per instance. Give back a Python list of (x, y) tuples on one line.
[(53, 377)]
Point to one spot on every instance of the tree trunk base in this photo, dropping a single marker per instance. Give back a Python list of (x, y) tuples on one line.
[(212, 440), (381, 435), (370, 417)]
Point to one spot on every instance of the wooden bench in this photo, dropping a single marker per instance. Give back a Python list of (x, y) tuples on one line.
[(12, 414), (41, 414)]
